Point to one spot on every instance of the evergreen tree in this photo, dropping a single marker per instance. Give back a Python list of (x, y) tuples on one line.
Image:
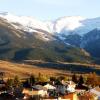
[(16, 81), (32, 80), (52, 78), (81, 81), (9, 83), (2, 75), (26, 84), (61, 78), (74, 78)]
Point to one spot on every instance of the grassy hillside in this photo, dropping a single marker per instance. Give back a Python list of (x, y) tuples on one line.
[(78, 68), (49, 69), (24, 70), (19, 45)]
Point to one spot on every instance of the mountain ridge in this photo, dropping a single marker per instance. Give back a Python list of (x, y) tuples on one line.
[(68, 23), (16, 44), (72, 32)]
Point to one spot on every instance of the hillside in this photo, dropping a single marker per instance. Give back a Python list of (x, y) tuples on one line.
[(24, 70), (50, 69), (20, 45), (66, 39)]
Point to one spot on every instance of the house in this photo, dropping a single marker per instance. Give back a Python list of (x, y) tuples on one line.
[(87, 96), (49, 87), (71, 86), (96, 91), (54, 99), (2, 84), (61, 88), (65, 87), (35, 90), (3, 88), (70, 96)]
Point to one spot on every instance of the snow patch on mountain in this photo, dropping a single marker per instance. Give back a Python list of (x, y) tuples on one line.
[(68, 23), (63, 26), (28, 23)]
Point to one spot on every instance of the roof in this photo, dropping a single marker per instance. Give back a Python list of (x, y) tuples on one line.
[(41, 83), (87, 96), (82, 87), (27, 91), (68, 96), (48, 86), (2, 82), (70, 82), (39, 87), (96, 91)]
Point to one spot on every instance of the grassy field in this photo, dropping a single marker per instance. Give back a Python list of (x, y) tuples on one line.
[(78, 68), (24, 70), (50, 69)]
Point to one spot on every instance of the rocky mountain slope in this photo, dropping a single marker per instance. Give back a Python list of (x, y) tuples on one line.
[(38, 44), (63, 39)]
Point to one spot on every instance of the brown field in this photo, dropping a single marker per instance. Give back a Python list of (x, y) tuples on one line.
[(24, 70)]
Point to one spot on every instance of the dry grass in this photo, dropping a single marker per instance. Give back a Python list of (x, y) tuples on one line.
[(24, 70)]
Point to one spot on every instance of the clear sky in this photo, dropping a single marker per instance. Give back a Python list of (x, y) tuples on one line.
[(52, 9)]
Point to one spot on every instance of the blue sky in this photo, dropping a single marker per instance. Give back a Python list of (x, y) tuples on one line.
[(52, 9)]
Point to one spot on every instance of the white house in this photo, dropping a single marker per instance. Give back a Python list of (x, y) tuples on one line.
[(61, 89), (96, 91), (49, 87), (71, 86), (36, 90)]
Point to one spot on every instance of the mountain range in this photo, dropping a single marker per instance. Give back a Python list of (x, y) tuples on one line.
[(69, 38)]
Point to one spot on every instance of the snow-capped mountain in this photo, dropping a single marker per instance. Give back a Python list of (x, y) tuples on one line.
[(28, 23), (64, 25), (71, 30), (18, 44)]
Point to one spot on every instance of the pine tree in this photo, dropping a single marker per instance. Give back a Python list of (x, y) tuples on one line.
[(9, 83), (16, 81), (52, 78), (74, 78), (81, 81), (32, 80)]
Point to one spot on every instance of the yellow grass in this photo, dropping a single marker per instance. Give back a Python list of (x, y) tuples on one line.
[(24, 70)]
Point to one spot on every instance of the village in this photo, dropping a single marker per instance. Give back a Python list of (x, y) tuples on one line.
[(53, 88)]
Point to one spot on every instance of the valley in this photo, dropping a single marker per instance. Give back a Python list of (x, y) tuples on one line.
[(25, 69), (68, 44)]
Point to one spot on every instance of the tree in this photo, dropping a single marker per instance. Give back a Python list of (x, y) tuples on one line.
[(42, 78), (61, 78), (2, 75), (92, 79), (9, 82), (74, 78), (52, 78), (32, 80), (26, 83), (81, 81), (16, 82)]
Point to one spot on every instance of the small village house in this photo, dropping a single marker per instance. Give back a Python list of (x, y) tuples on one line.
[(71, 86), (36, 90), (49, 87), (96, 91)]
